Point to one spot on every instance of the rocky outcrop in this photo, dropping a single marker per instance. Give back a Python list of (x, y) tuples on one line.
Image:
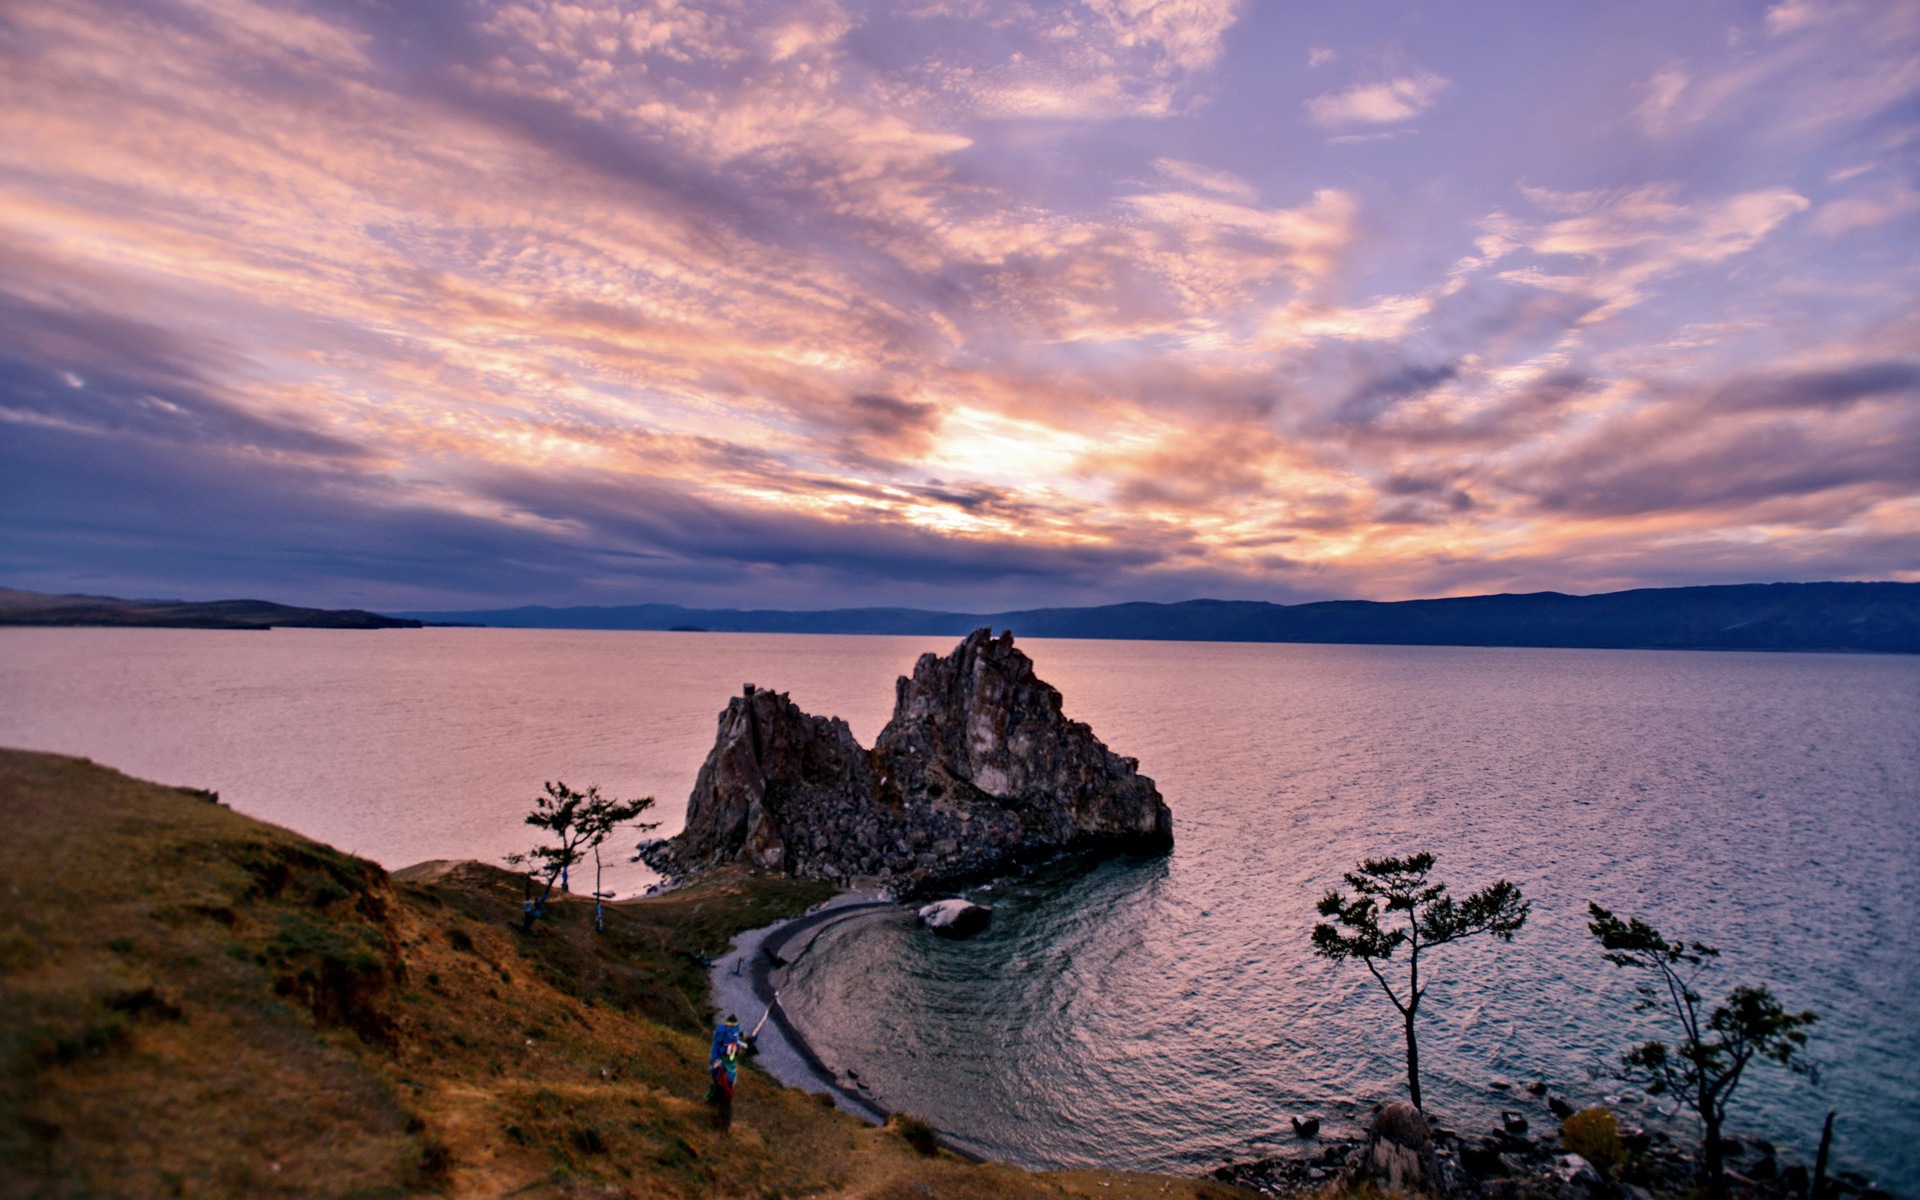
[(977, 768), (977, 732), (1504, 1165), (775, 771)]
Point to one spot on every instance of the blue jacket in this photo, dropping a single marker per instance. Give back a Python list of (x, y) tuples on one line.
[(725, 1038)]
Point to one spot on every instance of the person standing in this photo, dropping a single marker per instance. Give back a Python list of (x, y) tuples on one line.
[(724, 1068)]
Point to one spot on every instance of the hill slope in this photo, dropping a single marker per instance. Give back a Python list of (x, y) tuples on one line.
[(196, 1003)]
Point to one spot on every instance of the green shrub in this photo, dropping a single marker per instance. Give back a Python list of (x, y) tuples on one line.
[(435, 1164), (1592, 1134), (60, 1045), (21, 953), (587, 1140), (916, 1133)]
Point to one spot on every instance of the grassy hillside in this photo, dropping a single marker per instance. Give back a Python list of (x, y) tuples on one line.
[(193, 1003)]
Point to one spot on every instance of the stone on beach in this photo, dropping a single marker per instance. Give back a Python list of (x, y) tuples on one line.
[(1571, 1168), (955, 918)]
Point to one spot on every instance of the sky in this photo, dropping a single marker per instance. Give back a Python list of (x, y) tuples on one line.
[(431, 304)]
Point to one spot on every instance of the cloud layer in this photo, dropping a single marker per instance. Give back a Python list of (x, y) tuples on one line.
[(960, 303)]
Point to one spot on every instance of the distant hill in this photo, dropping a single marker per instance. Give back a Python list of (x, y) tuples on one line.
[(35, 608), (1863, 617)]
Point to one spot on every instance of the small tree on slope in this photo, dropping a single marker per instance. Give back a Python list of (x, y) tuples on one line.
[(580, 821), (1384, 886), (599, 818), (1705, 1066)]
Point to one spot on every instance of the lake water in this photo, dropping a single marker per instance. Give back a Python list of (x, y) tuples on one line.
[(1163, 1014)]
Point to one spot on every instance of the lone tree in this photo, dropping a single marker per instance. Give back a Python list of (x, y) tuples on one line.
[(600, 818), (1704, 1067), (1383, 886), (580, 821)]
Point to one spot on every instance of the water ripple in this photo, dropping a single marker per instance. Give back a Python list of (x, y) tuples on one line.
[(1171, 1011)]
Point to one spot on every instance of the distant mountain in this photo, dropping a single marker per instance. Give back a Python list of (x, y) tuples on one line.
[(728, 620), (1867, 617), (35, 608)]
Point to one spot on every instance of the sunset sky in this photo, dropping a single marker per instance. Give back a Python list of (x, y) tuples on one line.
[(955, 304)]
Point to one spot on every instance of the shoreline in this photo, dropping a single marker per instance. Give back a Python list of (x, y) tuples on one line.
[(743, 982), (745, 979)]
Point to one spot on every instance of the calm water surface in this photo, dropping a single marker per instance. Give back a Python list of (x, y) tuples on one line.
[(1164, 1014)]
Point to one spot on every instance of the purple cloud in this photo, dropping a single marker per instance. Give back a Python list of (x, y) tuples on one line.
[(989, 305)]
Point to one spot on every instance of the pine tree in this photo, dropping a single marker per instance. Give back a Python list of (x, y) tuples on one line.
[(1383, 886), (580, 821), (1704, 1067)]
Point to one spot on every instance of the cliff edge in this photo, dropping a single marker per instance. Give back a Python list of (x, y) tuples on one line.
[(978, 767)]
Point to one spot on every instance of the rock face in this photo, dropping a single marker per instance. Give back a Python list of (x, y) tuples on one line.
[(978, 767), (1401, 1139), (977, 732), (770, 766), (1400, 1156)]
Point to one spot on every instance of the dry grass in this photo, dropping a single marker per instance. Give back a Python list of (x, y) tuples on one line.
[(198, 1004)]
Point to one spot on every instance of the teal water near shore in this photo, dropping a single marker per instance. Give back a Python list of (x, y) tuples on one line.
[(1161, 1013)]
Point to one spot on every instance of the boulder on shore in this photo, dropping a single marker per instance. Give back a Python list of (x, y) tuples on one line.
[(955, 918), (979, 767), (1401, 1157), (1398, 1149)]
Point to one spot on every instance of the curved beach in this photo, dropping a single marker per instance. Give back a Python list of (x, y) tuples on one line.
[(746, 978)]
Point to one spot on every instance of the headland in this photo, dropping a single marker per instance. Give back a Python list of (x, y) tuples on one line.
[(40, 609), (193, 1002), (978, 769)]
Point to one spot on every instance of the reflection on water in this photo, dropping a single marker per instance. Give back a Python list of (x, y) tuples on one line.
[(1166, 1013)]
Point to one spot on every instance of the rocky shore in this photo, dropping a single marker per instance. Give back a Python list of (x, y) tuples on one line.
[(978, 769), (1526, 1161)]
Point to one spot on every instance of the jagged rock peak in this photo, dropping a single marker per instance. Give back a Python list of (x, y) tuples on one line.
[(771, 766), (978, 767), (980, 723)]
